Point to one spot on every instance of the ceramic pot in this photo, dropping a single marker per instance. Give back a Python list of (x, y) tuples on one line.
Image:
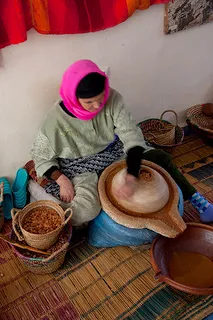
[(197, 238)]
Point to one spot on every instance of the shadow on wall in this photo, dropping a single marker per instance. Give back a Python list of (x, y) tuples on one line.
[(47, 90), (209, 92), (1, 61)]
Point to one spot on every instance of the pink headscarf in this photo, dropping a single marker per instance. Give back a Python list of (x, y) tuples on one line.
[(71, 78)]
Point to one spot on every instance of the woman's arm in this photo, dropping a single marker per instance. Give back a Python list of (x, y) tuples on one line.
[(66, 188), (129, 134), (53, 173), (46, 163), (43, 155), (133, 160)]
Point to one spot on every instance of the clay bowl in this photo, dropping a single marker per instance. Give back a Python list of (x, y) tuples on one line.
[(197, 238)]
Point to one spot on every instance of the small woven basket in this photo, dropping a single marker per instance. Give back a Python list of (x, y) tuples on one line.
[(42, 265), (200, 123), (161, 134), (39, 241)]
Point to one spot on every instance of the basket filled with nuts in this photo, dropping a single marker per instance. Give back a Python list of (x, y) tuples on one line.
[(41, 264), (40, 223)]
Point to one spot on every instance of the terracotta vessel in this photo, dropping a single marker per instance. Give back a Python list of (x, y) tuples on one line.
[(208, 109), (197, 238), (164, 218)]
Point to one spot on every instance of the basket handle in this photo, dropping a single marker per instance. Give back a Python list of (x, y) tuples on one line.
[(166, 111), (153, 137), (65, 246), (15, 214), (70, 215)]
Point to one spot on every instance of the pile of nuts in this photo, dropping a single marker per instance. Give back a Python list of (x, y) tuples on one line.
[(41, 220)]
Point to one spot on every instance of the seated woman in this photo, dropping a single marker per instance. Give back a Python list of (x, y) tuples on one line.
[(86, 132)]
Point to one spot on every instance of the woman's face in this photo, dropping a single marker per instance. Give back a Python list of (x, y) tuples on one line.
[(92, 104)]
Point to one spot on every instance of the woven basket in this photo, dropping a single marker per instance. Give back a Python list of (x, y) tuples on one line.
[(43, 265), (39, 241), (199, 122), (162, 132), (150, 125)]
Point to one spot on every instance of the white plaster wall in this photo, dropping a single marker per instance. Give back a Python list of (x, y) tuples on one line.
[(153, 71)]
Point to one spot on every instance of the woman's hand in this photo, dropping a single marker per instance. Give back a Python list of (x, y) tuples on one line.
[(126, 190), (67, 192)]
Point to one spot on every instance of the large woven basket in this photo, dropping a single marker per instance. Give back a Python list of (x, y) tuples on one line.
[(39, 264), (199, 122), (39, 241), (161, 134)]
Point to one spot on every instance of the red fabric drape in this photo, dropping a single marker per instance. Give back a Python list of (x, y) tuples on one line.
[(63, 16), (15, 21)]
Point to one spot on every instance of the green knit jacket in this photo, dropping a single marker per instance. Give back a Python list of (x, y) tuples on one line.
[(63, 136)]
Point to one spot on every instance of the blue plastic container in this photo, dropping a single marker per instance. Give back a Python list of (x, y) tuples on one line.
[(105, 232), (19, 188), (7, 203)]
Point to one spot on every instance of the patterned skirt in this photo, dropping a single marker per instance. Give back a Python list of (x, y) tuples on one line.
[(94, 163)]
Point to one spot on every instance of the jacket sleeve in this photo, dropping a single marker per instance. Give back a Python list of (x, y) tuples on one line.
[(133, 160), (43, 154), (125, 127)]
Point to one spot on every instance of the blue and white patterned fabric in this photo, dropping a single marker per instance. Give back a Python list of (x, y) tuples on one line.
[(94, 163), (199, 202)]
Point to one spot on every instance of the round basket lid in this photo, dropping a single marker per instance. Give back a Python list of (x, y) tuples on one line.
[(151, 195), (165, 220), (199, 119)]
